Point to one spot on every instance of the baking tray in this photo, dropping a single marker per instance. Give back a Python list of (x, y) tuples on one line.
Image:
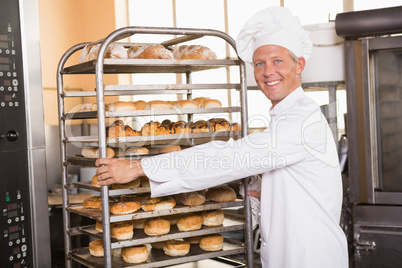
[(149, 66), (96, 214), (230, 223), (93, 114), (155, 138), (157, 257)]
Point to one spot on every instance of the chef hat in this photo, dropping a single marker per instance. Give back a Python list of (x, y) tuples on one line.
[(273, 26)]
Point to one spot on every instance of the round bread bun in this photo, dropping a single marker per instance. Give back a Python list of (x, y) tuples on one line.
[(96, 248), (135, 254), (113, 51), (190, 199), (171, 218), (135, 197), (140, 104), (189, 222), (121, 106), (213, 242), (193, 240), (149, 52), (93, 152), (122, 230), (221, 194), (158, 245), (176, 248), (92, 202), (168, 149), (122, 208), (211, 103), (139, 223), (185, 104), (128, 185), (158, 203), (156, 226), (213, 218), (99, 226), (94, 181), (158, 105), (137, 151)]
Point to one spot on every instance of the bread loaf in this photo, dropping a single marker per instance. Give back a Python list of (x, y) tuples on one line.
[(169, 149), (128, 185), (96, 248), (94, 181), (158, 105), (211, 103), (93, 152), (185, 104), (135, 197), (140, 104), (221, 194), (113, 51), (193, 52), (158, 203), (119, 106), (136, 151)]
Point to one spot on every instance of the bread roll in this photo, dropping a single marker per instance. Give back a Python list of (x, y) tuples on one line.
[(213, 242), (96, 248), (149, 52), (189, 222), (158, 203), (200, 100), (171, 218), (139, 223), (211, 103), (99, 226), (218, 124), (128, 185), (122, 208), (235, 127), (156, 226), (118, 129), (119, 106), (158, 105), (168, 149), (135, 197), (221, 194), (200, 126), (122, 230), (150, 128), (113, 51), (95, 182), (135, 254), (176, 248), (140, 104), (92, 202), (158, 245), (213, 218), (93, 152), (193, 52), (180, 127), (185, 104), (136, 151), (193, 240), (190, 199)]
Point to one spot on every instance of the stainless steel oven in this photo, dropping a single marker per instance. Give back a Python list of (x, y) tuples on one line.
[(373, 59), (23, 188)]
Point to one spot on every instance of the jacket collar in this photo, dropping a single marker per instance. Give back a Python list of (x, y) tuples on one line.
[(287, 102)]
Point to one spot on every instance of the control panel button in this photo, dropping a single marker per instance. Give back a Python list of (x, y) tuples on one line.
[(15, 82), (1, 88), (24, 248), (10, 243)]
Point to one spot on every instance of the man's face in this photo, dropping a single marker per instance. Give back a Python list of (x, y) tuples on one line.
[(276, 73)]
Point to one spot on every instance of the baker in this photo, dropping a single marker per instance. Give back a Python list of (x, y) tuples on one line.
[(301, 186)]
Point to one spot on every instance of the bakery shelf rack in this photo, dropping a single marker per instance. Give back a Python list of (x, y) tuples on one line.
[(101, 66)]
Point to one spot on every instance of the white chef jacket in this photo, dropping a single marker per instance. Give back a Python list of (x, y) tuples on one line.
[(301, 191)]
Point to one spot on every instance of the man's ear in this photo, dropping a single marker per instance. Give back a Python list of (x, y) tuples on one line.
[(301, 62)]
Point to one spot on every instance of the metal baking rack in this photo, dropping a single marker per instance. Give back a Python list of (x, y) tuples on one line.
[(127, 66)]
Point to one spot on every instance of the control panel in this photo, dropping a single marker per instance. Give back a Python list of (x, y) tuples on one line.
[(15, 221)]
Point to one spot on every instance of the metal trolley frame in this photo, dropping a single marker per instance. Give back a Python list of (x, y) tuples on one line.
[(102, 66)]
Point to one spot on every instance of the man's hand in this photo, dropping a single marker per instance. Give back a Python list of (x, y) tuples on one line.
[(116, 170), (254, 193)]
